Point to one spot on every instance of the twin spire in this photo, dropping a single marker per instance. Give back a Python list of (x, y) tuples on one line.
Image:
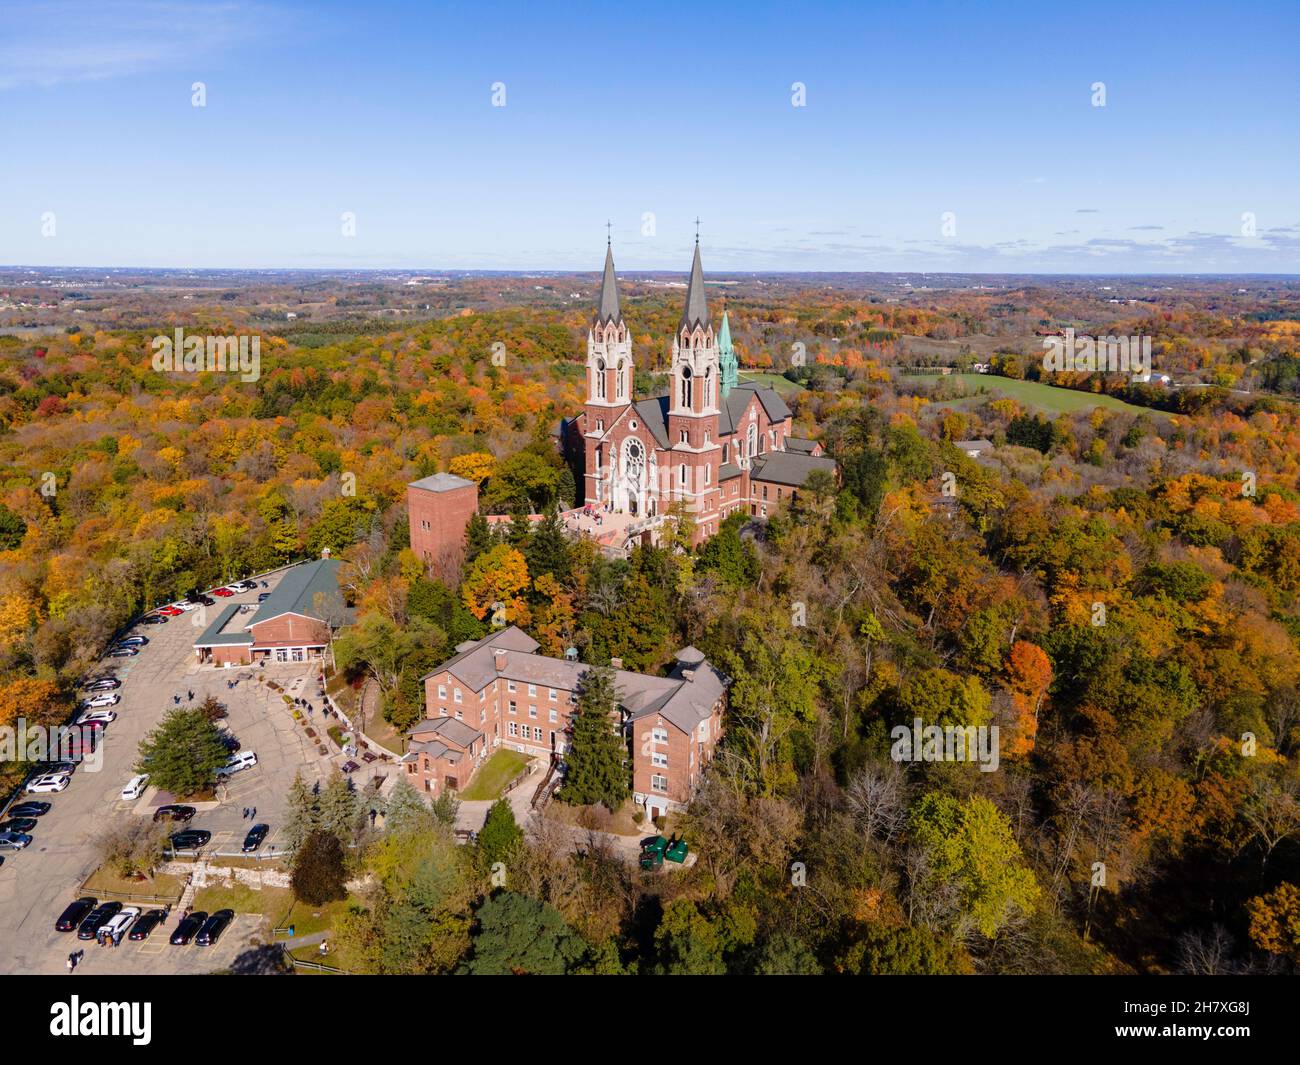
[(696, 311)]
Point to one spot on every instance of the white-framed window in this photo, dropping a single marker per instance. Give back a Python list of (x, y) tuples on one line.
[(532, 711), (442, 711), (658, 783), (555, 715), (537, 734), (442, 691), (482, 717), (510, 685), (659, 735), (456, 694), (512, 729), (659, 760), (704, 730), (513, 708), (552, 695), (460, 716), (532, 691)]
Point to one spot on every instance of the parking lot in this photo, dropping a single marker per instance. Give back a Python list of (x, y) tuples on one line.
[(36, 883)]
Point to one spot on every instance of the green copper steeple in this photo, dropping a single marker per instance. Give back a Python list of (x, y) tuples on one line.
[(726, 357)]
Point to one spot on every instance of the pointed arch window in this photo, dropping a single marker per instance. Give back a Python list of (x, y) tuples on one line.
[(685, 399), (600, 379)]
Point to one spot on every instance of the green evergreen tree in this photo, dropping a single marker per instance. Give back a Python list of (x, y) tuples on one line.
[(520, 936), (500, 837), (339, 809), (598, 763), (183, 753), (548, 549), (303, 816), (318, 874), (478, 537), (405, 812)]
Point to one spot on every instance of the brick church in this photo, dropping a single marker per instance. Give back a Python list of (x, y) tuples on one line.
[(714, 443)]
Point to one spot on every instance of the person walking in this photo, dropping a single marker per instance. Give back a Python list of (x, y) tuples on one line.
[(72, 962)]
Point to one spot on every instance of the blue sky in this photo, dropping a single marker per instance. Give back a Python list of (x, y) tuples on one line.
[(384, 109)]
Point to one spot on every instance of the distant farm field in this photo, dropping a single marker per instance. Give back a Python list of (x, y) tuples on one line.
[(775, 381), (1036, 394)]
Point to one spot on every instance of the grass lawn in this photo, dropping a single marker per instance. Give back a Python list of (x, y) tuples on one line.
[(499, 770), (1036, 394), (384, 734), (106, 883), (771, 380), (307, 920), (269, 902), (618, 823)]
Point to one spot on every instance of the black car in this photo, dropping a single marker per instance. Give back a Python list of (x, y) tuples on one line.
[(18, 824), (191, 839), (98, 916), (174, 812), (254, 838), (60, 767), (30, 809), (190, 924), (146, 923), (154, 619), (103, 684), (213, 927), (75, 911), (207, 600)]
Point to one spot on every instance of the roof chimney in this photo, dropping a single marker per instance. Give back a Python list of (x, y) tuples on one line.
[(688, 674), (615, 663), (324, 552), (499, 658)]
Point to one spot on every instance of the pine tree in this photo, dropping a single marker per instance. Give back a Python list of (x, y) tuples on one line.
[(500, 836), (598, 763), (405, 812), (303, 816), (183, 753), (318, 873), (548, 549), (340, 809), (478, 537)]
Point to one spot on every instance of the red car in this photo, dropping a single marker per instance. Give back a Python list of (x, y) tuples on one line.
[(225, 593), (170, 611)]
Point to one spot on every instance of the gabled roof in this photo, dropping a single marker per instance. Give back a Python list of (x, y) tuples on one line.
[(214, 637), (607, 310), (788, 467), (298, 590), (654, 412), (799, 444), (738, 399), (446, 728), (696, 311)]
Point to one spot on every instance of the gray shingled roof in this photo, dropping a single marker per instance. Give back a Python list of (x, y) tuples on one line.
[(681, 701), (799, 444), (654, 412), (696, 311), (608, 310), (297, 591), (448, 728), (788, 467), (738, 400), (440, 482), (214, 637)]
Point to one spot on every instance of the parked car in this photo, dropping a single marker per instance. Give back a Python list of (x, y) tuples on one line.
[(185, 605), (64, 769), (115, 927), (123, 652), (191, 839), (225, 593), (254, 838), (242, 760), (244, 586), (207, 600), (350, 766), (213, 927), (73, 913), (146, 923), (18, 824), (14, 841), (154, 619), (174, 812), (133, 641), (190, 924), (47, 782), (102, 684), (94, 708), (134, 787), (30, 809), (98, 918), (170, 611)]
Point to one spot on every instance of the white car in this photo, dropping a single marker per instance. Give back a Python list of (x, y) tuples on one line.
[(47, 782), (244, 586), (185, 604), (134, 787), (103, 699), (97, 717), (242, 760), (115, 927)]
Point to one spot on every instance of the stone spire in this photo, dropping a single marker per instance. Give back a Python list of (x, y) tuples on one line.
[(608, 309), (697, 306)]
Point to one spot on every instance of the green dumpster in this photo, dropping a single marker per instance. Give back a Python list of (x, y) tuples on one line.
[(677, 851), (655, 844), (651, 858)]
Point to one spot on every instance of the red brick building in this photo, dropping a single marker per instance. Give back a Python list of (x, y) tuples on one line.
[(499, 692), (439, 508)]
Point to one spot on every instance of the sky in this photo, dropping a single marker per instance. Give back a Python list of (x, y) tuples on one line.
[(948, 137)]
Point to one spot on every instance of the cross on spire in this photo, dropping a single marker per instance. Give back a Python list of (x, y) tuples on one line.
[(697, 229), (609, 238)]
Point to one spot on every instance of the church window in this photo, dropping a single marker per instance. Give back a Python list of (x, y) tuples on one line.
[(600, 378)]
